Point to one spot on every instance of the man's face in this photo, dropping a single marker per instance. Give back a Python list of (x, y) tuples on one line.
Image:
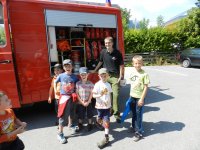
[(108, 44)]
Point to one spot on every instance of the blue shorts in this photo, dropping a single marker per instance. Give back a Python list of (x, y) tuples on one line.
[(103, 114)]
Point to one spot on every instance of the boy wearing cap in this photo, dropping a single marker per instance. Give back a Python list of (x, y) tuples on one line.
[(67, 97), (55, 89), (102, 92), (84, 94)]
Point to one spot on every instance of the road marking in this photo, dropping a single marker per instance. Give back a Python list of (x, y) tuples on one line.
[(171, 72)]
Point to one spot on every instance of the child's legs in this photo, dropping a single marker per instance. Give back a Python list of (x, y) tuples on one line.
[(89, 110), (106, 120), (133, 109), (80, 112), (69, 121), (56, 106), (72, 111), (100, 116), (139, 117), (63, 119)]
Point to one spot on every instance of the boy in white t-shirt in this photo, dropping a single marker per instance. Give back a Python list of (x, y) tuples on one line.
[(102, 92)]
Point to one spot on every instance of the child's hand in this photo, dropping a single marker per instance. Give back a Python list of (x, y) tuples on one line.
[(24, 124), (20, 130), (49, 100), (140, 102), (104, 91), (57, 93), (86, 103)]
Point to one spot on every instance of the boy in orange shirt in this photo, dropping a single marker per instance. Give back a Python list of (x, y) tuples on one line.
[(55, 89), (10, 126)]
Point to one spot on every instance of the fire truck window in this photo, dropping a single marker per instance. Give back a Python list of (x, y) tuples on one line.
[(2, 30)]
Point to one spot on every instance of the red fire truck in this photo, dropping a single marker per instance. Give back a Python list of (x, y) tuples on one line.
[(37, 34)]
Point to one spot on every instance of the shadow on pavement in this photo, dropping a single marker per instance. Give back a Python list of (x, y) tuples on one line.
[(154, 95), (161, 127), (150, 128), (40, 115)]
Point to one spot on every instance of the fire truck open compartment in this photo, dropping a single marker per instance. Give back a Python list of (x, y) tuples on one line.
[(78, 36)]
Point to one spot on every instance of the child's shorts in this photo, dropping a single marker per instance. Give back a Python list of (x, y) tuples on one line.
[(64, 118), (17, 144), (84, 111), (103, 114)]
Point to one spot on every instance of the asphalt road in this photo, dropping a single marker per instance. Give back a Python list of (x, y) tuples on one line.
[(171, 119)]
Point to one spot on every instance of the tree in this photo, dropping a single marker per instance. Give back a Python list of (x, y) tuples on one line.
[(144, 24), (189, 28), (160, 21), (126, 14)]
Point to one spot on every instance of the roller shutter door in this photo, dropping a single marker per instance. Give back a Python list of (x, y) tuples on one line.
[(73, 19)]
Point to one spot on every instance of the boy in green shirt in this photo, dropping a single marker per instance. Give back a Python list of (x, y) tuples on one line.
[(139, 81)]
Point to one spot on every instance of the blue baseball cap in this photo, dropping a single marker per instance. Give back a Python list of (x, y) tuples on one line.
[(83, 70)]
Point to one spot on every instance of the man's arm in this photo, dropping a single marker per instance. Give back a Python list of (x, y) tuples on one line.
[(98, 65), (121, 70), (121, 73)]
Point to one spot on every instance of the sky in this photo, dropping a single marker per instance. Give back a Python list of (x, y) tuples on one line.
[(151, 9)]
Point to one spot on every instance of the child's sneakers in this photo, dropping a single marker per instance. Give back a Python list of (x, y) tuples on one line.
[(61, 138), (103, 143), (137, 137)]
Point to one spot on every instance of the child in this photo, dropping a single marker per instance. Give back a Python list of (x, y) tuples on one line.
[(10, 126), (84, 94), (102, 92), (55, 89), (67, 97), (139, 80)]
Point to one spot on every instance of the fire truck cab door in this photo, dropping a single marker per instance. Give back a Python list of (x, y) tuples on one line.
[(8, 82)]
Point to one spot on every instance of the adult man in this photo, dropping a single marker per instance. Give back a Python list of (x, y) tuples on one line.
[(112, 60)]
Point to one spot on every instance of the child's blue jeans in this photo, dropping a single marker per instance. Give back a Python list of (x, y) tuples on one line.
[(137, 115)]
